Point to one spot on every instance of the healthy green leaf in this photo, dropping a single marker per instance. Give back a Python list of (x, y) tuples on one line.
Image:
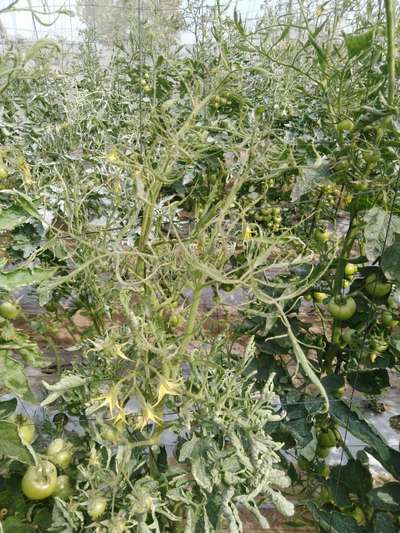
[(369, 381), (386, 498), (333, 521), (379, 231), (358, 43), (390, 262), (367, 433), (383, 524)]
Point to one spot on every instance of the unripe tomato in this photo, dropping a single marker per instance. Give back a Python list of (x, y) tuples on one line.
[(350, 269), (342, 309), (326, 438), (39, 482), (9, 310), (339, 393), (63, 488), (345, 125), (322, 235), (346, 283), (323, 452), (371, 156), (96, 507), (323, 470), (388, 321), (3, 172), (174, 321), (320, 297), (26, 430), (377, 286), (60, 453), (379, 345), (308, 297)]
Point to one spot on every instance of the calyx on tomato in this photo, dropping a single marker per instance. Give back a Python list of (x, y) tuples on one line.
[(377, 286), (342, 308), (39, 482)]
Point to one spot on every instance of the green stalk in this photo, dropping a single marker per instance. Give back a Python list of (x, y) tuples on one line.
[(147, 221), (391, 49), (193, 314)]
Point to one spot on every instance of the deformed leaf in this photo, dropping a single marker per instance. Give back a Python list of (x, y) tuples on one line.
[(66, 383), (22, 277), (310, 177), (7, 407), (12, 217), (11, 446)]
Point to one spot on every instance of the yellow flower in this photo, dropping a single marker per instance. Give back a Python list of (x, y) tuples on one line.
[(109, 400), (167, 387), (247, 233), (112, 156), (147, 415)]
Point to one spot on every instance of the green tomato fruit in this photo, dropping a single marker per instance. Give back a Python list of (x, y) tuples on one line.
[(342, 310), (320, 297), (323, 452), (9, 310), (96, 507), (339, 393), (345, 125), (326, 438), (308, 297), (350, 269), (39, 482), (346, 283), (323, 470), (371, 156), (60, 453), (63, 488), (26, 430), (376, 286), (322, 235), (388, 321)]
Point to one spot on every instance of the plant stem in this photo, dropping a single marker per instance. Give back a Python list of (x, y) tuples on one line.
[(391, 49), (193, 314)]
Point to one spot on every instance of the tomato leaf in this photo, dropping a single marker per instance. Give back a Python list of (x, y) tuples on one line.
[(383, 524), (65, 384), (379, 231), (11, 446), (12, 217), (369, 381), (7, 407), (22, 277), (367, 433), (310, 177), (391, 260), (333, 521), (358, 43), (386, 498)]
